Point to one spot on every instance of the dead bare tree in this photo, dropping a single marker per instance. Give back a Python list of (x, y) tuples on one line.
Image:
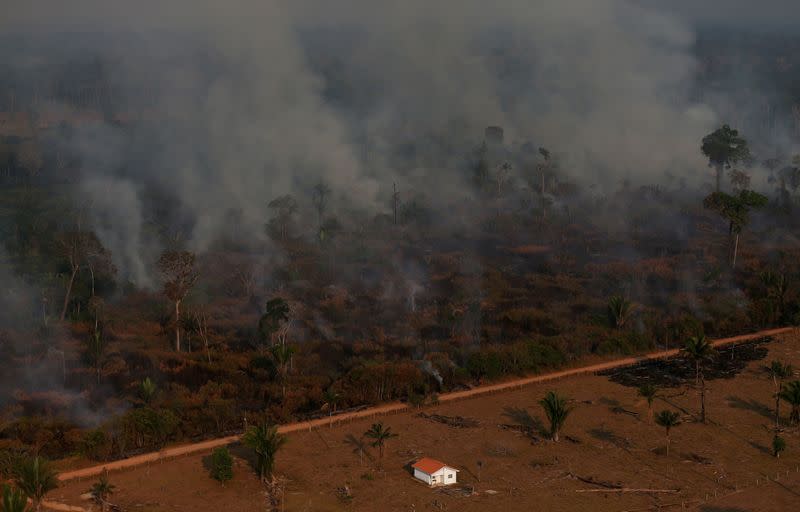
[(177, 268), (72, 245), (200, 327), (245, 278)]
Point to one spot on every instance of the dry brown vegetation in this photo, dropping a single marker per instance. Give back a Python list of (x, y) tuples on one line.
[(608, 443)]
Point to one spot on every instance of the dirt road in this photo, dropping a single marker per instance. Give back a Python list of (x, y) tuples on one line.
[(205, 446)]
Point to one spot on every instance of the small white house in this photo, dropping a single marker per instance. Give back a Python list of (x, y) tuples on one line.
[(434, 472)]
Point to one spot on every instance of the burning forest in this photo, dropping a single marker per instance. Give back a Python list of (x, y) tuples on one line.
[(213, 216)]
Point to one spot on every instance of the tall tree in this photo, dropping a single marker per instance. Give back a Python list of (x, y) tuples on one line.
[(736, 210), (740, 180), (284, 207), (379, 435), (668, 420), (555, 407), (319, 196), (723, 148), (95, 350), (98, 260), (480, 168), (698, 351), (199, 324), (779, 371), (35, 478), (178, 270), (273, 321), (282, 354), (265, 441), (72, 246)]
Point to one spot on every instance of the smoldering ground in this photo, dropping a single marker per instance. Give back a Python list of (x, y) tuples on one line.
[(258, 99)]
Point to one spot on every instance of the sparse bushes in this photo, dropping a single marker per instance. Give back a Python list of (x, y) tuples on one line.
[(518, 358), (221, 465), (146, 428), (96, 445)]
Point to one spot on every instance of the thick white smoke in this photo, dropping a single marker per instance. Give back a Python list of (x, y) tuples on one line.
[(242, 93)]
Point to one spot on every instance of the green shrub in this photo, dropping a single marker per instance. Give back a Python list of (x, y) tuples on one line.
[(96, 445), (778, 445), (221, 465)]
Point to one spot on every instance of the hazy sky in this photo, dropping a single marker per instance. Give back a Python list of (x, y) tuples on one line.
[(752, 14)]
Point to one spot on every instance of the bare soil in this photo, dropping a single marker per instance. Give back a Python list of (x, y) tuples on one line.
[(608, 442)]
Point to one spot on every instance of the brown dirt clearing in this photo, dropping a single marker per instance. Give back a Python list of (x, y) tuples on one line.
[(609, 440)]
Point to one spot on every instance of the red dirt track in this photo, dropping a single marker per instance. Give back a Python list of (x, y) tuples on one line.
[(206, 446)]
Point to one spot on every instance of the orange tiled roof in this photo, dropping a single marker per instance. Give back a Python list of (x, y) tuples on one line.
[(428, 465)]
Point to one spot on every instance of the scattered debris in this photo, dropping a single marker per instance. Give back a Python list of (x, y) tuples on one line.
[(500, 450), (491, 492), (573, 440), (344, 493), (592, 481), (459, 492), (693, 457), (519, 429), (451, 421), (439, 505), (626, 489)]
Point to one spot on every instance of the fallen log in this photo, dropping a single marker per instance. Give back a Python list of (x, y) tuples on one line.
[(592, 481)]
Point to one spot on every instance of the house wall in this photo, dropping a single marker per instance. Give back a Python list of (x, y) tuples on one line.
[(446, 476), (422, 476)]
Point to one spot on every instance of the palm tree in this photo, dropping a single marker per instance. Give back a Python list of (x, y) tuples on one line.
[(36, 478), (148, 390), (791, 393), (555, 407), (778, 445), (283, 356), (619, 309), (14, 500), (265, 441), (649, 393), (698, 350), (736, 210), (779, 371), (668, 420), (101, 490), (379, 436)]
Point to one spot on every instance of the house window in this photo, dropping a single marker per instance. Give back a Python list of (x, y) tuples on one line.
[(450, 475)]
